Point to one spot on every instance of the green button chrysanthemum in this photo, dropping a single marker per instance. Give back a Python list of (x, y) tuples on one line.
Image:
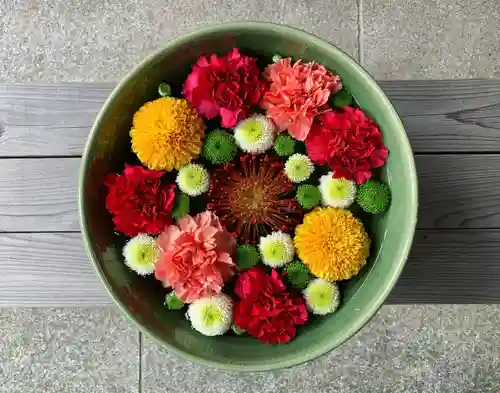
[(247, 256), (211, 315), (337, 192), (164, 90), (297, 274), (181, 207), (299, 167), (276, 249), (308, 196), (374, 197), (342, 99), (322, 297), (284, 145), (220, 147), (173, 302), (193, 179), (141, 253)]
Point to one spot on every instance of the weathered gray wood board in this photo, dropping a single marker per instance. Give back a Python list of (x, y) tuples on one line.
[(449, 116), (454, 127), (446, 266), (440, 116), (47, 269), (38, 195), (456, 191), (52, 120), (451, 266), (459, 191)]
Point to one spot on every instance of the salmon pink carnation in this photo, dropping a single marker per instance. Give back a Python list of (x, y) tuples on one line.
[(349, 142), (297, 94), (195, 257), (228, 86)]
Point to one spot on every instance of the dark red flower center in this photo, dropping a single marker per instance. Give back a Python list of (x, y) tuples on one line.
[(250, 198)]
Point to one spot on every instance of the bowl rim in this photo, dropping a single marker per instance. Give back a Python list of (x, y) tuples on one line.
[(412, 195)]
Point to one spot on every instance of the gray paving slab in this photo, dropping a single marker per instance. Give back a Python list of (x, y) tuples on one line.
[(99, 40), (431, 349), (89, 350), (431, 39)]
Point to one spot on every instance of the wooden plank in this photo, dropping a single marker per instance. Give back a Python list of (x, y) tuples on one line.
[(48, 120), (451, 266), (38, 195), (456, 191), (440, 116), (47, 269), (459, 191), (446, 266), (448, 116)]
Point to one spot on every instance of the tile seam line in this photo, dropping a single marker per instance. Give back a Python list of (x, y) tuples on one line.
[(360, 33), (139, 382)]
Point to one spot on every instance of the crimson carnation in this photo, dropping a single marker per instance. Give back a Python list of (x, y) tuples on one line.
[(139, 201), (267, 310), (251, 197), (349, 142), (227, 86)]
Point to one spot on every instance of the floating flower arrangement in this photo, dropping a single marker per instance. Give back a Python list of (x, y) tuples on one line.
[(248, 195)]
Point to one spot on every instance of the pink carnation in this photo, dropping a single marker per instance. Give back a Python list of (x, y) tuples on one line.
[(195, 256), (297, 94)]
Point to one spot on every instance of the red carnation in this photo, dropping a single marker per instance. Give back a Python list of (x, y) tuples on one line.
[(349, 142), (139, 201), (228, 86), (267, 310)]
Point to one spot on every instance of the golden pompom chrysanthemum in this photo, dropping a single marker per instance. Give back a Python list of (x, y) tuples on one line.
[(332, 243), (167, 134)]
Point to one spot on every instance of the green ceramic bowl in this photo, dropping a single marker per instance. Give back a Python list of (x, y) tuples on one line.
[(108, 147)]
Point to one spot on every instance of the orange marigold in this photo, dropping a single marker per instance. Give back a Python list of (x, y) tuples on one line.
[(332, 243), (167, 133)]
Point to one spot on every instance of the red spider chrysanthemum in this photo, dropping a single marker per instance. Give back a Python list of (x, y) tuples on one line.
[(250, 196)]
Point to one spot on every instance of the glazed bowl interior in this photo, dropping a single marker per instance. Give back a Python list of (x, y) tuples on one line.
[(141, 299)]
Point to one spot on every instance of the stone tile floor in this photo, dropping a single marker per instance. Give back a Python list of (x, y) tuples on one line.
[(407, 349)]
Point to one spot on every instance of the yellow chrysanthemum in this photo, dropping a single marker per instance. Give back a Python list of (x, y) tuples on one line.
[(332, 243), (167, 134)]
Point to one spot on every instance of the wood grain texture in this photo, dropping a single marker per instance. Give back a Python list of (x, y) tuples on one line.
[(446, 266), (451, 266), (448, 116), (51, 120), (439, 116), (454, 258), (38, 195), (459, 191), (456, 191), (47, 269)]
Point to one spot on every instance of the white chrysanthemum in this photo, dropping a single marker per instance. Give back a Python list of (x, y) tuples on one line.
[(254, 135), (212, 315), (193, 179), (276, 249), (337, 192), (299, 167), (141, 253), (322, 297)]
